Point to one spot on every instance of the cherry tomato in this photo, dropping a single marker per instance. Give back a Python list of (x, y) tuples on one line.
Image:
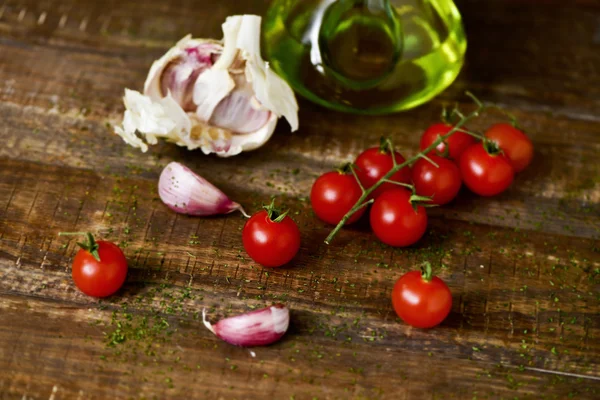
[(99, 267), (395, 221), (334, 194), (270, 238), (421, 300), (441, 183), (372, 164), (457, 143), (486, 171), (515, 144)]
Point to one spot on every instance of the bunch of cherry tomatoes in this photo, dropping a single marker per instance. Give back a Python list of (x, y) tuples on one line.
[(398, 216)]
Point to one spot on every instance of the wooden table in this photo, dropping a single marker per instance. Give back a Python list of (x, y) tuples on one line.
[(523, 267)]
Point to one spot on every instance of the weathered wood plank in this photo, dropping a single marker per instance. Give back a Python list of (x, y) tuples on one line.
[(77, 363), (562, 185)]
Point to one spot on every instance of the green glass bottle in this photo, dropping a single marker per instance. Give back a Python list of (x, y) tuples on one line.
[(365, 56)]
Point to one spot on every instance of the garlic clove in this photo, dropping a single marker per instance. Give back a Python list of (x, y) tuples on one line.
[(209, 90), (257, 328), (240, 112), (185, 192), (177, 70), (223, 144), (230, 97)]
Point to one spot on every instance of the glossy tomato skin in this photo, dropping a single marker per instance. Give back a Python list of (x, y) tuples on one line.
[(457, 143), (441, 183), (372, 164), (334, 194), (394, 220), (100, 278), (484, 173), (269, 243), (420, 303), (515, 144)]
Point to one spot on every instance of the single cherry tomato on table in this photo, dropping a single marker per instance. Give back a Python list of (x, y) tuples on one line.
[(420, 299), (397, 219), (452, 147), (515, 144), (372, 164), (441, 183), (485, 170), (271, 238), (99, 267), (334, 194)]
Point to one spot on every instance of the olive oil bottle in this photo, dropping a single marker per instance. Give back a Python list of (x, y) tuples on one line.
[(365, 56)]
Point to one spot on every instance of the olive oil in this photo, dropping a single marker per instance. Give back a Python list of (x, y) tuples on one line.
[(368, 56)]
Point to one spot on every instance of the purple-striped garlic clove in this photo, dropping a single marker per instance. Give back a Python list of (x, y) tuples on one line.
[(256, 328), (186, 192)]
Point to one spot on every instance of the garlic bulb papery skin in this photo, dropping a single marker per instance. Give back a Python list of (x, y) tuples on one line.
[(219, 96), (256, 328), (185, 192)]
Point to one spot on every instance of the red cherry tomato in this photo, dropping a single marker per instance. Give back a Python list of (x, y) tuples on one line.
[(334, 194), (515, 144), (457, 142), (99, 268), (395, 221), (441, 183), (372, 164), (486, 172), (421, 300), (271, 239)]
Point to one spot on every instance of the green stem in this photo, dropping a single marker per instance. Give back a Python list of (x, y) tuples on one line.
[(426, 272), (361, 201), (274, 214), (90, 245)]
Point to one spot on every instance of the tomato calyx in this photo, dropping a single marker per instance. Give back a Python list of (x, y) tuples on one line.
[(449, 117), (385, 145), (492, 148), (90, 245), (417, 201), (346, 168), (274, 214), (426, 272)]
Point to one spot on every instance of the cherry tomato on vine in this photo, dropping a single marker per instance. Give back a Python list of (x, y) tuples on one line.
[(271, 238), (99, 267), (397, 219), (334, 194), (420, 299), (451, 147), (485, 170), (372, 164), (515, 144), (441, 183)]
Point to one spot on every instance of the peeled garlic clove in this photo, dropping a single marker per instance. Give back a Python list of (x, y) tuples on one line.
[(185, 192), (231, 98), (256, 328)]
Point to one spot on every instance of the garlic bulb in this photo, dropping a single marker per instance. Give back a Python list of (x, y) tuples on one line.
[(219, 96)]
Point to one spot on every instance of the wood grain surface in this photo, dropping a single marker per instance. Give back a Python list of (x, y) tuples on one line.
[(523, 267)]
